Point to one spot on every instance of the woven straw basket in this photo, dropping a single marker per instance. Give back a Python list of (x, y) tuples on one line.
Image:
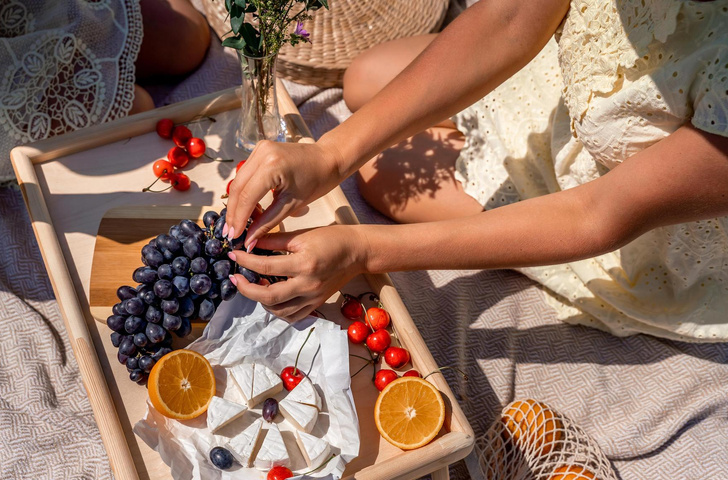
[(339, 34)]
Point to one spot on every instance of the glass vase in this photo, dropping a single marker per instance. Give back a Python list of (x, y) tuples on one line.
[(259, 117)]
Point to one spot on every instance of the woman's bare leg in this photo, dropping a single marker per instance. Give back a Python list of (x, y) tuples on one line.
[(142, 101), (415, 180)]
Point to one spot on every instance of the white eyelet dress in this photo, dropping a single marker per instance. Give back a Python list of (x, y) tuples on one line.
[(620, 76)]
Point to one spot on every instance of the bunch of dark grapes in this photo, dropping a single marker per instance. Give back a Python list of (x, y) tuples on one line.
[(185, 276)]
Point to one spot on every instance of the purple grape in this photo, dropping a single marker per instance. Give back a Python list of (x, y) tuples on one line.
[(213, 247), (188, 227), (160, 353), (221, 458), (270, 409), (127, 347), (198, 265), (169, 242), (133, 306), (181, 286), (164, 272), (219, 225), (140, 339), (155, 333), (134, 324), (200, 284), (174, 231), (146, 363), (221, 269), (171, 322), (239, 242), (121, 357), (200, 236), (186, 307), (184, 329), (125, 292), (116, 323), (117, 309), (192, 247), (214, 291), (116, 339), (132, 363), (209, 218), (168, 255), (137, 376), (154, 314), (153, 257), (170, 306), (150, 298), (153, 242), (180, 265), (163, 289), (207, 310), (227, 289), (249, 275)]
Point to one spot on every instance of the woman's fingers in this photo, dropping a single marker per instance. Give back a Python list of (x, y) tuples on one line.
[(274, 265), (243, 199), (276, 212), (273, 294)]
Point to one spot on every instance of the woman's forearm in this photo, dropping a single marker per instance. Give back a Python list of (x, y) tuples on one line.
[(483, 47)]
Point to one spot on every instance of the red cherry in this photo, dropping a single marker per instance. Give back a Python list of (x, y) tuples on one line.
[(178, 157), (180, 135), (384, 378), (164, 128), (227, 189), (279, 473), (379, 341), (396, 357), (195, 147), (180, 181), (358, 332), (378, 318), (291, 379), (163, 169), (240, 164), (351, 308), (412, 373)]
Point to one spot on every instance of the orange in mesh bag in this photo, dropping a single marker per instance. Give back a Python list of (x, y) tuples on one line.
[(531, 441)]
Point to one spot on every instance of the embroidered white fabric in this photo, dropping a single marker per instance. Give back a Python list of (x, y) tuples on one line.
[(65, 65)]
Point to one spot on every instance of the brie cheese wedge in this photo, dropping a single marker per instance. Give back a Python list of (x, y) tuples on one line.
[(301, 416), (266, 383), (273, 452), (305, 393), (220, 412), (243, 376), (243, 444), (315, 450)]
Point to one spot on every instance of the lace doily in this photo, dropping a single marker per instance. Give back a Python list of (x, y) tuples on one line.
[(65, 65)]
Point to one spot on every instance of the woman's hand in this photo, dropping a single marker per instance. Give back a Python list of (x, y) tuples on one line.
[(320, 262), (299, 173)]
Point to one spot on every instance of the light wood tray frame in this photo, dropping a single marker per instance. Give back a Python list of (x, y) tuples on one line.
[(67, 238)]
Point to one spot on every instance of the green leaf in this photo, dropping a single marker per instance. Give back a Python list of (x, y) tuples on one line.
[(250, 8), (227, 4), (252, 38), (234, 42), (236, 23), (240, 3)]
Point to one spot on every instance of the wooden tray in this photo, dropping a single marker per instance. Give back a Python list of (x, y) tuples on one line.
[(89, 182)]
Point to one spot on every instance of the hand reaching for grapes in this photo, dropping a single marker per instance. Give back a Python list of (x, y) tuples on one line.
[(299, 173), (320, 262)]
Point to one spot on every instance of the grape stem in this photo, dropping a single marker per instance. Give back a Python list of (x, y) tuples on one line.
[(295, 365)]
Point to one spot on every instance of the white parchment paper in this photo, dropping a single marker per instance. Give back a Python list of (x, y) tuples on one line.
[(242, 331)]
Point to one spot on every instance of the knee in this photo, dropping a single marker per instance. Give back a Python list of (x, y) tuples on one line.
[(358, 82), (193, 40)]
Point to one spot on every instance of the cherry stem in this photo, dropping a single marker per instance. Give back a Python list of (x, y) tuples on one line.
[(149, 188), (439, 370), (319, 314), (295, 365), (362, 368), (198, 120), (368, 360), (320, 466), (218, 159)]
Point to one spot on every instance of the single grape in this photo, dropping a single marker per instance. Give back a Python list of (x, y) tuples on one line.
[(132, 363), (249, 275), (163, 289), (140, 339), (239, 242), (188, 227), (181, 286), (150, 298), (133, 306), (116, 323), (117, 309), (155, 333), (169, 242), (223, 212), (160, 353), (207, 310), (171, 322), (180, 265), (170, 306), (168, 255), (200, 237), (122, 358), (153, 258), (198, 265), (137, 376), (270, 409), (153, 314), (219, 225), (146, 363), (184, 329), (222, 269), (164, 272), (134, 324), (214, 291), (153, 242), (209, 218), (127, 347), (200, 284), (174, 231), (116, 339), (192, 247), (221, 458), (227, 289), (125, 292), (213, 247), (186, 307)]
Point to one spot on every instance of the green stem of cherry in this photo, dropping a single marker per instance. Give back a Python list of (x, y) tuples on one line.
[(295, 365), (439, 370)]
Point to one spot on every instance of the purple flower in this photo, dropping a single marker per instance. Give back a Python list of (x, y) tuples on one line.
[(301, 32)]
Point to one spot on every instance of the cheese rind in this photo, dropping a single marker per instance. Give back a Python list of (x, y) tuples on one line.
[(243, 375), (305, 393), (243, 444), (301, 416), (273, 451), (315, 450), (221, 412), (266, 383)]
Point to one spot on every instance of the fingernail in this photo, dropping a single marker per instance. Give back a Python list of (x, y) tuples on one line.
[(231, 233), (234, 280), (252, 245), (225, 230), (231, 256)]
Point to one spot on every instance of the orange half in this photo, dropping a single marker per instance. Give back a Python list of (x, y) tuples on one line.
[(409, 412), (181, 385)]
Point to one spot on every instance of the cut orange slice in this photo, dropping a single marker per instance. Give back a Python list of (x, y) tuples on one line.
[(409, 412), (181, 385)]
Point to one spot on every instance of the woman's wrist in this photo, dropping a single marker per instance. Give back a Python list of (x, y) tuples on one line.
[(341, 166)]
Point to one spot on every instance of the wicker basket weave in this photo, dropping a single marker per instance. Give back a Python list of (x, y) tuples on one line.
[(339, 34)]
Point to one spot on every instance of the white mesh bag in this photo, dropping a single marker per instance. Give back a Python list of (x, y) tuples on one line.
[(531, 441)]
